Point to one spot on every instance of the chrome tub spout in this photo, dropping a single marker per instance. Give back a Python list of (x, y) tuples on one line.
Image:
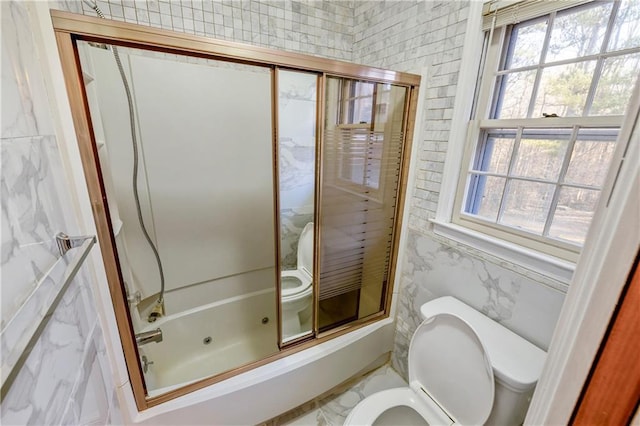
[(149, 336)]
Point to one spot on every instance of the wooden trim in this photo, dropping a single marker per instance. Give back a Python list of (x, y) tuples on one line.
[(411, 108), (612, 392), (109, 31), (275, 125), (317, 206), (97, 194)]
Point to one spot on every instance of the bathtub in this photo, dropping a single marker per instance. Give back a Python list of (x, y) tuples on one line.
[(211, 339), (274, 388)]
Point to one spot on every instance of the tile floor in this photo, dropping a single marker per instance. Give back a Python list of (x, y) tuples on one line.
[(333, 410)]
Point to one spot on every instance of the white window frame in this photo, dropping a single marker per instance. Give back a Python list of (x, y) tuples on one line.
[(557, 263)]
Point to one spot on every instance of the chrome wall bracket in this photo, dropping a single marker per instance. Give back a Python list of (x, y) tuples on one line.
[(66, 243)]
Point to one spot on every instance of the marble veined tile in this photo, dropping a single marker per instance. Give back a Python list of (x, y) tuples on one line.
[(34, 209), (336, 408), (291, 224), (314, 417), (56, 366), (25, 108), (16, 334), (432, 269)]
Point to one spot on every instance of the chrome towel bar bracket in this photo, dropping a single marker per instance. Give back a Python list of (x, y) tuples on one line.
[(66, 243)]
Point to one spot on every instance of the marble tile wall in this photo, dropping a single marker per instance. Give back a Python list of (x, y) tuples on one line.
[(436, 268), (296, 159), (66, 378), (316, 27)]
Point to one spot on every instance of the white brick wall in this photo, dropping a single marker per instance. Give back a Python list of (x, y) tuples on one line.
[(318, 28), (408, 36)]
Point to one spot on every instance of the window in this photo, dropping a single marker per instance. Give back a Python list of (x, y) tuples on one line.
[(548, 109)]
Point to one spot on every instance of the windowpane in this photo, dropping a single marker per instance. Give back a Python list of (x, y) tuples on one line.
[(625, 32), (526, 44), (616, 82), (590, 162), (486, 196), (579, 32), (362, 110), (573, 214), (563, 89), (540, 158), (527, 205), (363, 89), (495, 155), (515, 94)]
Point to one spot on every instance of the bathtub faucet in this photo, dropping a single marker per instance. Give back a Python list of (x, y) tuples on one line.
[(149, 336)]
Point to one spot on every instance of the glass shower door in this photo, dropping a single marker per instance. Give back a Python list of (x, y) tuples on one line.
[(203, 137), (361, 158)]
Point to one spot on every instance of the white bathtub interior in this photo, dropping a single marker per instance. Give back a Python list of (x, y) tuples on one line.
[(211, 339)]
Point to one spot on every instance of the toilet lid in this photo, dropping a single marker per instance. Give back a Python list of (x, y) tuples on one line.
[(449, 362), (305, 249)]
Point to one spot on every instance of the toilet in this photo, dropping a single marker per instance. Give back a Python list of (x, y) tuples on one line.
[(464, 368), (296, 288)]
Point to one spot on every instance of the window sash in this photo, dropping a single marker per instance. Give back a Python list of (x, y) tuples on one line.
[(559, 248), (484, 103)]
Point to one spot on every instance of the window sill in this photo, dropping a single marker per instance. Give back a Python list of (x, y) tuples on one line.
[(543, 264)]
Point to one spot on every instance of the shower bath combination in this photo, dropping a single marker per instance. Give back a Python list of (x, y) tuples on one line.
[(263, 207), (158, 309)]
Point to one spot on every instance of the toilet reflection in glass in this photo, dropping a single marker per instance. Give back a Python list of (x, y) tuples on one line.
[(297, 106), (297, 289)]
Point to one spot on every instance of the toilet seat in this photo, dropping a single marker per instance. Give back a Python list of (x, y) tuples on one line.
[(450, 377), (303, 272), (367, 411), (300, 290)]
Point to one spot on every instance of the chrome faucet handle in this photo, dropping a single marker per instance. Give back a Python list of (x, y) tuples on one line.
[(146, 363)]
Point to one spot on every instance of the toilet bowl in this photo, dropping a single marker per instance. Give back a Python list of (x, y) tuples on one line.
[(296, 285), (464, 368)]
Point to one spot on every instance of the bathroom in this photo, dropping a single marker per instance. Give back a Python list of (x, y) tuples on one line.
[(43, 188)]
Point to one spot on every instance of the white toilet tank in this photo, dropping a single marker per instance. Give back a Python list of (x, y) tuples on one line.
[(517, 364)]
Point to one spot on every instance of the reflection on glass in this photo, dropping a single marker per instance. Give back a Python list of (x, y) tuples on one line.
[(487, 195), (495, 153), (205, 192), (563, 89), (515, 94), (579, 32), (619, 74), (526, 44), (527, 205), (296, 175), (361, 161), (625, 30), (590, 162), (540, 158), (573, 214)]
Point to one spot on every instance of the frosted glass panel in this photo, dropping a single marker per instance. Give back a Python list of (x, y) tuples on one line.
[(204, 142)]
